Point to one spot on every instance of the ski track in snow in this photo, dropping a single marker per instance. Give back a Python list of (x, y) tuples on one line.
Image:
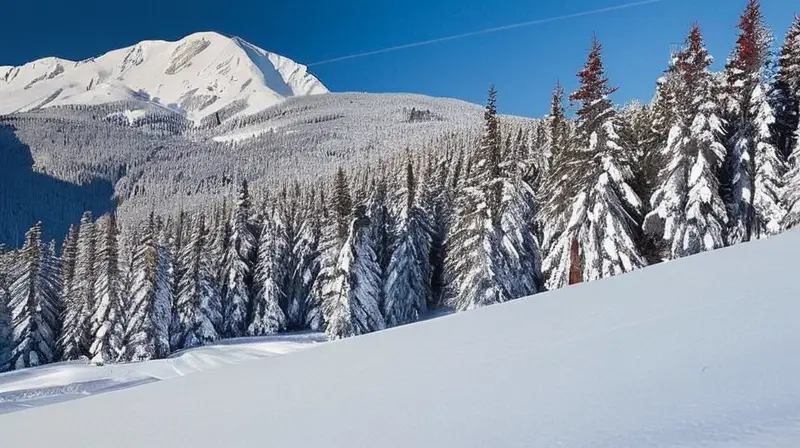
[(65, 381)]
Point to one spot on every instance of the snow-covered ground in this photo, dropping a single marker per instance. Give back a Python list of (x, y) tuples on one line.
[(66, 381), (697, 352)]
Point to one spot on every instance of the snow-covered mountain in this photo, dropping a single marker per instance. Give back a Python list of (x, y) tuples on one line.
[(168, 125), (696, 352), (196, 76)]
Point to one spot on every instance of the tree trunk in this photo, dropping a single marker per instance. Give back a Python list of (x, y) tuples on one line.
[(575, 263)]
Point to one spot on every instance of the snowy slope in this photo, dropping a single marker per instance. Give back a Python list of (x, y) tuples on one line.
[(54, 383), (696, 352), (197, 76)]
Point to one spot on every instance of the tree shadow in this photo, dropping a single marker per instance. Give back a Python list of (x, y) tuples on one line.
[(27, 196)]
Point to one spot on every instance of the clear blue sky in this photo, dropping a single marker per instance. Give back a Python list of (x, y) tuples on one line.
[(524, 63)]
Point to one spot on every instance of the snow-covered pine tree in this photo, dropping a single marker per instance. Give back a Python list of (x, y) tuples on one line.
[(6, 342), (518, 224), (127, 241), (76, 336), (436, 199), (351, 297), (754, 166), (103, 321), (333, 235), (342, 205), (198, 302), (150, 307), (51, 265), (69, 254), (475, 263), (304, 243), (407, 287), (239, 269), (688, 215), (791, 194), (382, 226), (770, 167), (220, 244), (175, 231), (787, 90), (553, 215), (34, 303), (602, 209), (273, 252)]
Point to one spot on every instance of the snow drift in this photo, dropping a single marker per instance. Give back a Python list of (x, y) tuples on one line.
[(696, 352), (64, 381)]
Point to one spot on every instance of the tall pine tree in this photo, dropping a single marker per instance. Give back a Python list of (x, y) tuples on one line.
[(6, 342), (351, 297), (34, 297), (271, 272), (689, 216), (241, 257), (476, 263), (198, 303), (754, 167), (150, 307), (103, 321), (602, 209), (407, 287), (787, 90), (76, 336)]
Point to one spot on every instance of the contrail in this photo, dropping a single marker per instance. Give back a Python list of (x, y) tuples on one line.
[(489, 30)]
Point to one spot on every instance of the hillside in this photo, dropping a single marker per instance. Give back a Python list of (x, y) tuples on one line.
[(140, 157), (695, 352)]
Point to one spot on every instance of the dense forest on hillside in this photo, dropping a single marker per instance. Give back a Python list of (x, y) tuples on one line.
[(464, 221)]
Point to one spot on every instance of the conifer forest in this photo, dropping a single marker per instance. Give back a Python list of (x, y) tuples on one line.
[(468, 217)]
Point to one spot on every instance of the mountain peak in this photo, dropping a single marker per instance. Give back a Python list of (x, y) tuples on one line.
[(197, 76)]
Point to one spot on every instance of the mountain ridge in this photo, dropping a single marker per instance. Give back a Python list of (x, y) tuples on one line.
[(196, 76)]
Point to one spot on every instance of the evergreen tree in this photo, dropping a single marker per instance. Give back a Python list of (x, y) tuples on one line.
[(198, 302), (343, 205), (268, 317), (437, 201), (240, 259), (476, 263), (554, 212), (150, 307), (601, 209), (304, 242), (76, 336), (332, 242), (753, 167), (407, 287), (103, 320), (34, 303), (787, 90), (351, 297), (791, 195), (69, 254), (518, 226), (6, 341), (382, 228), (689, 216)]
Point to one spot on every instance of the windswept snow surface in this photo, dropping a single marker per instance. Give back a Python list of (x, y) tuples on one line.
[(697, 352), (66, 381)]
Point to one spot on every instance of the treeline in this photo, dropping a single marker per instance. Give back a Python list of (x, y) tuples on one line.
[(463, 223)]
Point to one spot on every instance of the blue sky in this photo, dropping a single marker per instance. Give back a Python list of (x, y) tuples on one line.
[(524, 63)]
